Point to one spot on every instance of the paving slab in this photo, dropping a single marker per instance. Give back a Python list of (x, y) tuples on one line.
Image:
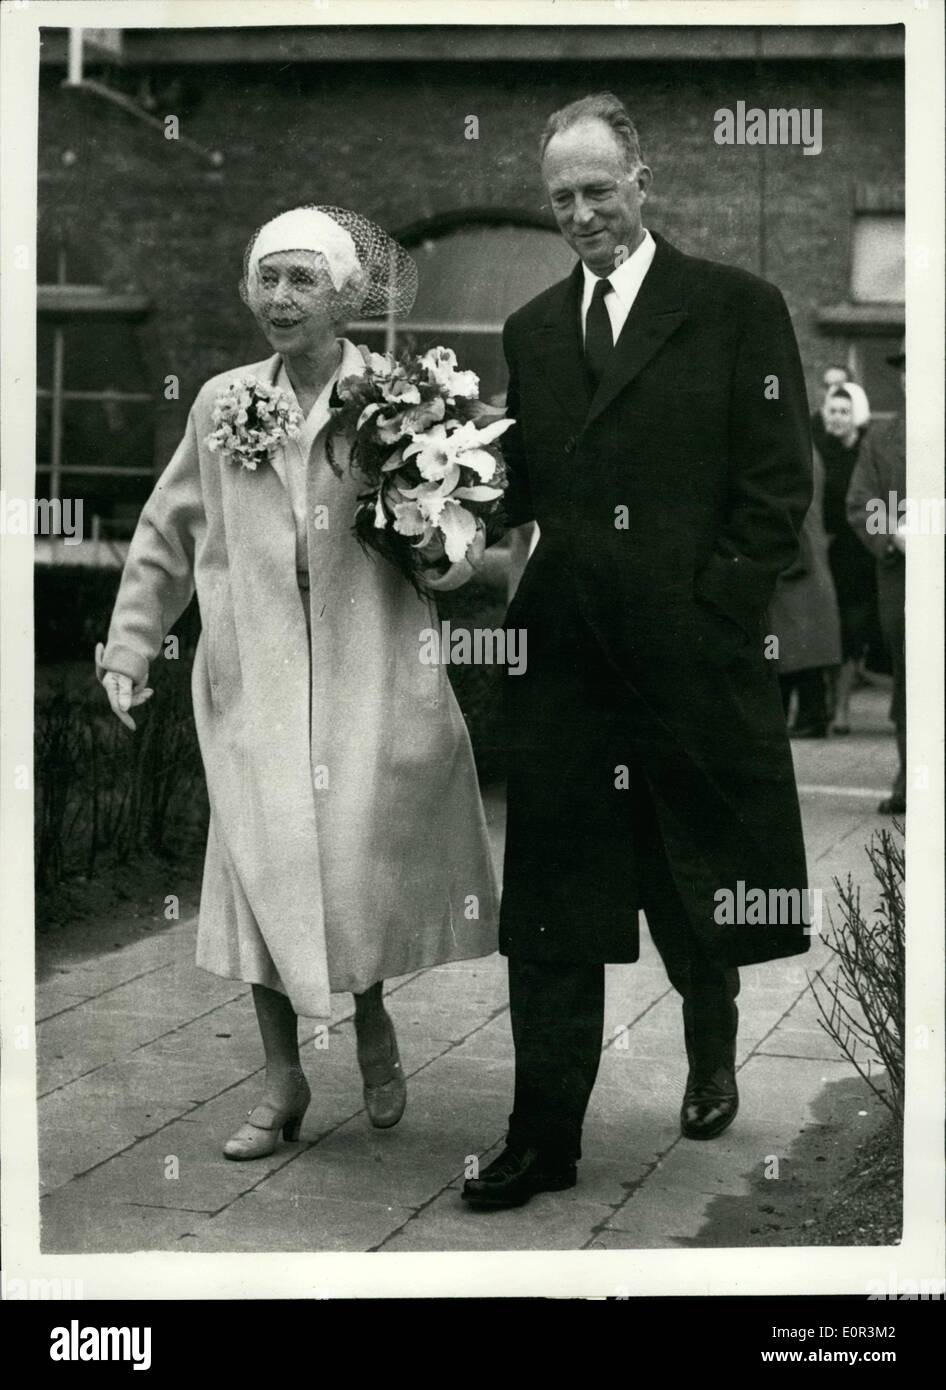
[(117, 966), (69, 1226), (181, 1167), (78, 1136), (551, 1221), (491, 1042), (145, 1073), (263, 1220), (74, 1043), (53, 998), (800, 1042)]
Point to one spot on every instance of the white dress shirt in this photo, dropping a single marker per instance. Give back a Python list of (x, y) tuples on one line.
[(626, 281)]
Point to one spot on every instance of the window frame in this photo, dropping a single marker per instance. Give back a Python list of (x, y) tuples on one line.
[(66, 305), (851, 321)]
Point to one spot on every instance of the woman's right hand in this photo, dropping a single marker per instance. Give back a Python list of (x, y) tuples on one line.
[(122, 694)]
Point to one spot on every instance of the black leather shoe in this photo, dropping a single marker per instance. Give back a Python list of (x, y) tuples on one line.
[(515, 1176), (709, 1105)]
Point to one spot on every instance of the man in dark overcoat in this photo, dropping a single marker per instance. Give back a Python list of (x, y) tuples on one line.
[(663, 445), (878, 487)]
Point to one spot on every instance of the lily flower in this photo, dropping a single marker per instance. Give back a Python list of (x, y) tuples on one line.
[(441, 367), (413, 421), (409, 520), (438, 450), (380, 364), (458, 528), (430, 496), (399, 389)]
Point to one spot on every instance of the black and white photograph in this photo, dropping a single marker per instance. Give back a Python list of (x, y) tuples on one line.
[(465, 583)]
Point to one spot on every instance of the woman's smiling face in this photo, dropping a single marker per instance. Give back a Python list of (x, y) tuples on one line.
[(293, 300)]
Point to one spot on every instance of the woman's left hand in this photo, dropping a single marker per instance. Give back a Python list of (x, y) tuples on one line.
[(460, 571)]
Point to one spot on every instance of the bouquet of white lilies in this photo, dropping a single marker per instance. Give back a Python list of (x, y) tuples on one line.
[(425, 446)]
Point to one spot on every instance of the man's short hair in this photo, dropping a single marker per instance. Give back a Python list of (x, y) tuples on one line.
[(601, 106)]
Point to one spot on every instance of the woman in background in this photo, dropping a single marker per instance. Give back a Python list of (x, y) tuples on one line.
[(846, 414)]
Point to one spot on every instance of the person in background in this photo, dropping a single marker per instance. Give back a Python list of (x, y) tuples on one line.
[(882, 469), (846, 415), (833, 376), (803, 615)]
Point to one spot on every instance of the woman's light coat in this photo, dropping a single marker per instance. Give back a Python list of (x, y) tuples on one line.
[(347, 840)]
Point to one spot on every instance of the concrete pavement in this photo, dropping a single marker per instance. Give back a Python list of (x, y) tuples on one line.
[(147, 1065)]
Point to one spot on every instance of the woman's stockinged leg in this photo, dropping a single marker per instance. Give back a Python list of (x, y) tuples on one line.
[(384, 1090), (286, 1094), (279, 1030), (371, 1021)]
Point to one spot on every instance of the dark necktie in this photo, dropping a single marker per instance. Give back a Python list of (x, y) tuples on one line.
[(599, 342)]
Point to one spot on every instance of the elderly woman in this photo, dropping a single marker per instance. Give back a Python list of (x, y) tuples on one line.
[(846, 414), (347, 841)]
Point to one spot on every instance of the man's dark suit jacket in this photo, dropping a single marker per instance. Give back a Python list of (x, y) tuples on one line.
[(668, 503)]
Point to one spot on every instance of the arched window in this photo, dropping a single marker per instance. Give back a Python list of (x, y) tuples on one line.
[(474, 268)]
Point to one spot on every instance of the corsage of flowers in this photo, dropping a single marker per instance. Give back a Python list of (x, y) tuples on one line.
[(252, 420), (425, 445)]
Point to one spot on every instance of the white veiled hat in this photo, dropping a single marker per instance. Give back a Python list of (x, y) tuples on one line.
[(355, 249), (308, 229)]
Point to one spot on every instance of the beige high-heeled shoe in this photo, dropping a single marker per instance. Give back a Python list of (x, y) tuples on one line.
[(385, 1090), (258, 1137)]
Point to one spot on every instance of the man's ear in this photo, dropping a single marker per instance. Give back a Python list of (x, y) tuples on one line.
[(643, 178)]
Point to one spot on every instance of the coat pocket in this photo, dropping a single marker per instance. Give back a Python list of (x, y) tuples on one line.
[(721, 641), (215, 638), (211, 656)]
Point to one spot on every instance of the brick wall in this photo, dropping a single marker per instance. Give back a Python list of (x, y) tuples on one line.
[(388, 139)]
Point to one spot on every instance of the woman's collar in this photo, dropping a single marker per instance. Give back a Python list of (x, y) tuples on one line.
[(351, 363)]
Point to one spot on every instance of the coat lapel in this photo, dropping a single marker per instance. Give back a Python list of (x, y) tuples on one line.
[(557, 343), (657, 312), (256, 501)]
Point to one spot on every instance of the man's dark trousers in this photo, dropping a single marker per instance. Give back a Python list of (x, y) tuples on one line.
[(557, 1006)]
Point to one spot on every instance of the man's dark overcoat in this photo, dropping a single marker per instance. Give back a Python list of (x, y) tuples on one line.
[(668, 503)]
